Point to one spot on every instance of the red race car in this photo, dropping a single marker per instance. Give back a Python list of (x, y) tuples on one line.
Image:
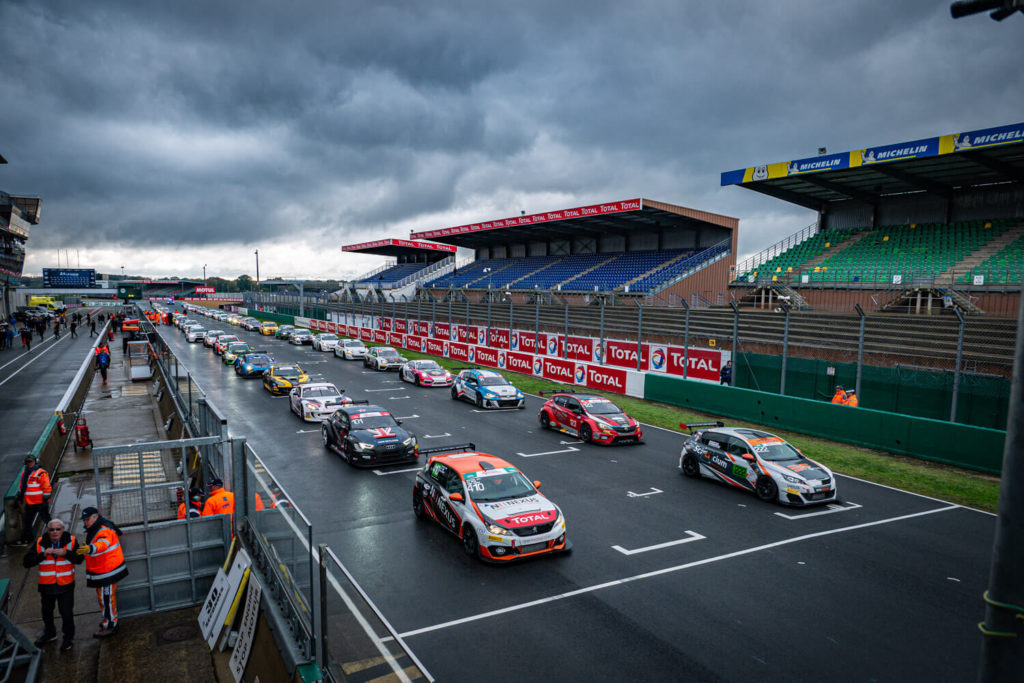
[(589, 417)]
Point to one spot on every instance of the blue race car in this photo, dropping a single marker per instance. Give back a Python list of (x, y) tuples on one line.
[(487, 389), (252, 364)]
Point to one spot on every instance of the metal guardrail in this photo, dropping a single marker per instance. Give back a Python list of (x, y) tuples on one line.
[(770, 252)]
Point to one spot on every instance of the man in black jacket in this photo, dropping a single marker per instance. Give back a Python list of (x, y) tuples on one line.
[(54, 553)]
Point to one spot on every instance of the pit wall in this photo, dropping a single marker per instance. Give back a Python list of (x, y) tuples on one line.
[(924, 438)]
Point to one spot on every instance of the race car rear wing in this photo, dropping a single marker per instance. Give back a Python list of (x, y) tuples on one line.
[(454, 448), (693, 426), (360, 401)]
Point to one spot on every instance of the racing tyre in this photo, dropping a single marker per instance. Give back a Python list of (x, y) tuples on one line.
[(455, 394), (469, 542), (545, 423), (417, 505), (691, 467), (586, 433), (766, 489), (479, 401), (323, 435), (416, 380)]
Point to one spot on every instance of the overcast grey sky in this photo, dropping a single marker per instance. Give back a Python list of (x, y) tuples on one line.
[(162, 136)]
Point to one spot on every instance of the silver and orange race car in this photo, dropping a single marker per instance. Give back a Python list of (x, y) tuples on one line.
[(488, 503), (755, 461)]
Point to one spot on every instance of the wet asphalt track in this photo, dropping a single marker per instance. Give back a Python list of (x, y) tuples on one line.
[(886, 588)]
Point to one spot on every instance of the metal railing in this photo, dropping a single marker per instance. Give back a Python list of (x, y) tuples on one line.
[(774, 250), (698, 261)]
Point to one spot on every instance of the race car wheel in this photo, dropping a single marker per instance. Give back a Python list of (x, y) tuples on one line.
[(545, 422), (479, 401), (766, 489), (691, 467), (417, 505), (455, 394), (585, 433), (416, 380), (323, 435), (469, 542)]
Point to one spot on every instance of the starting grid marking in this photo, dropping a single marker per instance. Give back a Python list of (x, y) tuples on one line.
[(690, 536), (832, 508), (667, 570)]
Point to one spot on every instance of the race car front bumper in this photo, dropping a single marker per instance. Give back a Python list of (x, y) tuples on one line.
[(386, 455), (510, 548), (790, 495), (504, 402), (437, 381), (607, 436)]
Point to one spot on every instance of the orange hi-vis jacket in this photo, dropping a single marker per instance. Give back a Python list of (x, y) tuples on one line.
[(36, 486), (851, 400), (840, 397), (56, 570), (192, 509), (220, 502), (105, 558)]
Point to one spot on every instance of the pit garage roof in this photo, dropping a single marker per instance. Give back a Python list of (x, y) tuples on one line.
[(393, 247), (937, 165), (621, 218)]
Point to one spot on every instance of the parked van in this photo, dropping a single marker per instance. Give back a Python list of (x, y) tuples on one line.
[(47, 302)]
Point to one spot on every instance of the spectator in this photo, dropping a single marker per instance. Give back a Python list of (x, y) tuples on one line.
[(104, 566), (840, 396), (26, 338), (851, 399), (10, 335), (3, 335), (34, 491), (103, 360), (725, 375), (56, 328), (92, 329), (54, 553), (74, 326)]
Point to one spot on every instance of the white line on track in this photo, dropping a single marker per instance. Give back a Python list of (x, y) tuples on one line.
[(40, 355), (832, 509), (384, 474), (690, 536), (406, 417), (39, 345), (652, 492), (533, 455), (394, 389), (667, 570), (307, 431), (399, 398), (436, 436)]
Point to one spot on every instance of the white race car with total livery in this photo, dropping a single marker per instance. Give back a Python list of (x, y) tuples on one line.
[(316, 401)]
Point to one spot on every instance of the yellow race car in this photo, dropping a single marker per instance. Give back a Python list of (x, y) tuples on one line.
[(268, 327), (282, 377)]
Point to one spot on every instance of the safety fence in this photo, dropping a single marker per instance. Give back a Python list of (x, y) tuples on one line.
[(319, 612)]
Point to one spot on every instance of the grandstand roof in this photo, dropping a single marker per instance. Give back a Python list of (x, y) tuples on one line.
[(393, 247), (937, 165), (621, 217)]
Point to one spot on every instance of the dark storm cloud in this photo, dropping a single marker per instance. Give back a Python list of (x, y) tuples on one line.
[(154, 124)]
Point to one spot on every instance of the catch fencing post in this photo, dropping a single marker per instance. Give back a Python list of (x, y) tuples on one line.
[(565, 343), (639, 334), (686, 337), (860, 349), (735, 339), (536, 324), (785, 351), (601, 342), (959, 358)]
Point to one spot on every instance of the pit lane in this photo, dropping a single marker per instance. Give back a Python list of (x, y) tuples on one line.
[(886, 585)]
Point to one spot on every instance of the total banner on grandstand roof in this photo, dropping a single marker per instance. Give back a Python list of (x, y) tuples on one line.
[(927, 147)]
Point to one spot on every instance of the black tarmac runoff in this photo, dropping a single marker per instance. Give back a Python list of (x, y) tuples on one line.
[(670, 578)]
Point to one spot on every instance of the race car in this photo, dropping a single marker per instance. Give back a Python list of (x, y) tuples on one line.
[(194, 333), (279, 378), (497, 512), (325, 342), (211, 336), (425, 373), (316, 401), (268, 328), (367, 435), (487, 389), (284, 331), (223, 341), (350, 349), (755, 461), (233, 350), (251, 324), (382, 358), (590, 417), (300, 337), (252, 364)]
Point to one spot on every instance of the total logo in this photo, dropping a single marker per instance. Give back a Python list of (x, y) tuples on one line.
[(481, 335), (657, 359), (552, 346), (538, 366), (501, 359), (514, 344), (597, 353), (444, 349), (581, 374), (472, 355), (453, 334)]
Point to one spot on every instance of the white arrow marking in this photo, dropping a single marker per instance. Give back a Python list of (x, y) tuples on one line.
[(395, 389), (307, 431), (652, 492), (566, 443), (436, 436), (831, 508), (533, 455), (406, 417), (691, 536), (384, 474)]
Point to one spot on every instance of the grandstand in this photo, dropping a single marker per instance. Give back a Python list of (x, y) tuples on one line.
[(638, 247), (413, 263), (935, 218)]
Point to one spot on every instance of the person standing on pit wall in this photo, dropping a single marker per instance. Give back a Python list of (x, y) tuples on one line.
[(55, 555), (840, 396), (34, 491), (104, 566), (851, 399), (725, 375)]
